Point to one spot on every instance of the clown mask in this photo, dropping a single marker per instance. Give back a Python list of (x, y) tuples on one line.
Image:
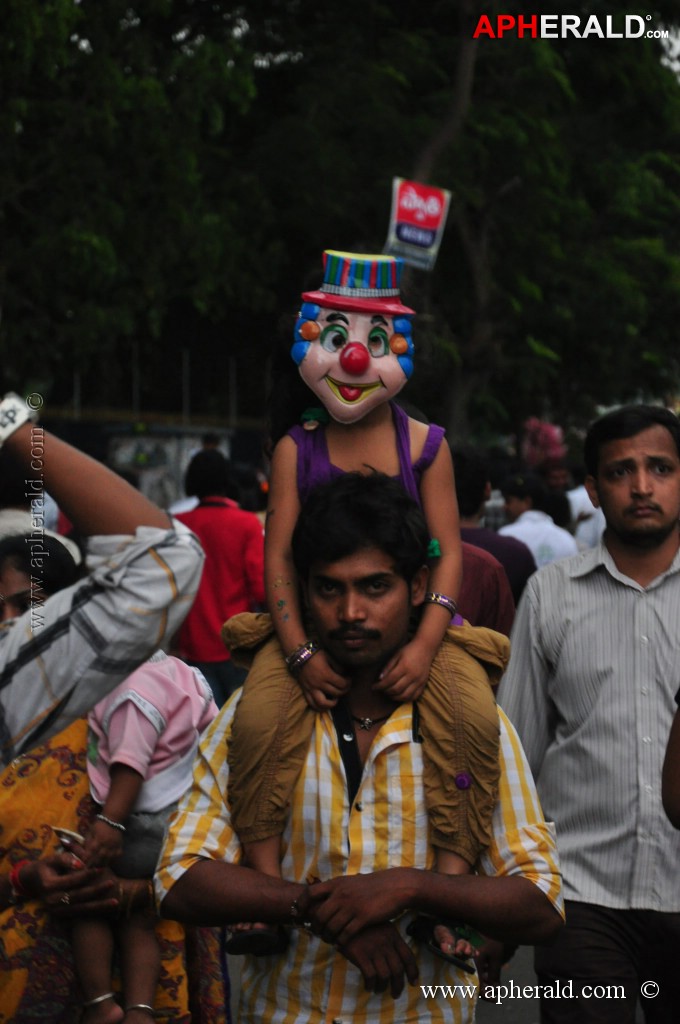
[(352, 361), (353, 343)]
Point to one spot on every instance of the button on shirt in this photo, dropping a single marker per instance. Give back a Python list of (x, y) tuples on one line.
[(327, 836), (590, 688)]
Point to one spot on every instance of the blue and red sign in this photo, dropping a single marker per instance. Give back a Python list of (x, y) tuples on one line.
[(417, 222)]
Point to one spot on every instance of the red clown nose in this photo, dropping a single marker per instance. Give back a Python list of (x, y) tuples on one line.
[(354, 358)]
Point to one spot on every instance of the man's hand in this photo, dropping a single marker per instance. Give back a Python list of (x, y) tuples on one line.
[(342, 907), (490, 958), (383, 958)]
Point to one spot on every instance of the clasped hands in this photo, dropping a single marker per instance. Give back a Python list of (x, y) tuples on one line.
[(355, 913)]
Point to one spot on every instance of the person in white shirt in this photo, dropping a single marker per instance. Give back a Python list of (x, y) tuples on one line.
[(524, 496), (588, 522)]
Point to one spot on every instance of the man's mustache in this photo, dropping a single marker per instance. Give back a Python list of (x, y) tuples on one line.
[(355, 632), (651, 505)]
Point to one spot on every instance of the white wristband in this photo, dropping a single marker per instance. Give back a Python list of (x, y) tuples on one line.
[(14, 412)]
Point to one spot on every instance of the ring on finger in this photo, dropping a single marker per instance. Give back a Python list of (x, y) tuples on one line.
[(65, 899)]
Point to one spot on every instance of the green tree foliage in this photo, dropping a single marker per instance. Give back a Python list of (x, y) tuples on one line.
[(557, 285), (169, 178), (112, 161), (589, 239)]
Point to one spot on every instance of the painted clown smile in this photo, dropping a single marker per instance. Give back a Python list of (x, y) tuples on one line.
[(350, 393)]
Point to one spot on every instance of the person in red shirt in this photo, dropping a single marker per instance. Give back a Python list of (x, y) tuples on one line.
[(233, 575)]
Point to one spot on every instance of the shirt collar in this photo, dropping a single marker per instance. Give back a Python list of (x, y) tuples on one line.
[(532, 515), (399, 728), (599, 556)]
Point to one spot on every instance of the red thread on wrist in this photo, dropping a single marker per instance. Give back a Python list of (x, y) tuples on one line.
[(15, 881)]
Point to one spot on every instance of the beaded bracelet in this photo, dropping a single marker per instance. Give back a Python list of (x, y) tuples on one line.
[(113, 824), (17, 892), (301, 655), (443, 600)]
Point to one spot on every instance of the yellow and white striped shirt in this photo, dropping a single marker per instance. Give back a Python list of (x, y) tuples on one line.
[(385, 827)]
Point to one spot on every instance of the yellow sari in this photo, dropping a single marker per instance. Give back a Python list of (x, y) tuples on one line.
[(49, 787)]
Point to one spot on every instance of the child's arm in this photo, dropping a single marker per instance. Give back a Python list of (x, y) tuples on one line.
[(104, 841), (405, 675), (321, 684), (132, 739)]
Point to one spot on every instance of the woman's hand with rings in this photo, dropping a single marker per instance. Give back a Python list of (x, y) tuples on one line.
[(41, 878), (67, 888), (87, 891)]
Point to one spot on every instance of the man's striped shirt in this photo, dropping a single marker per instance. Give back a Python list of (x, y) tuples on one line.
[(385, 827)]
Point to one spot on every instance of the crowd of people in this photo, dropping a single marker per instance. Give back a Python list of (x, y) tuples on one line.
[(422, 715)]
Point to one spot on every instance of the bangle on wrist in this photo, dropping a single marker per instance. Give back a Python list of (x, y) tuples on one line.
[(136, 898), (14, 412), (301, 655), (17, 892), (112, 824), (443, 600), (127, 896)]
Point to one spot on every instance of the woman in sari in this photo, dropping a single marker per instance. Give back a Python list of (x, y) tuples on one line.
[(45, 788), (41, 888)]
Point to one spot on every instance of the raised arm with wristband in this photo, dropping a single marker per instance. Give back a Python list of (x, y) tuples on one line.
[(61, 657)]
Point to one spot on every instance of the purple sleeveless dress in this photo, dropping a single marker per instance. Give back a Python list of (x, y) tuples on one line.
[(314, 466)]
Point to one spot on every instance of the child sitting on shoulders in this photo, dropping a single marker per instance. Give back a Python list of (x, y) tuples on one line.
[(354, 351)]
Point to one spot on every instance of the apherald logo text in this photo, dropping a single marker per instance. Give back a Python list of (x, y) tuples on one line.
[(560, 26)]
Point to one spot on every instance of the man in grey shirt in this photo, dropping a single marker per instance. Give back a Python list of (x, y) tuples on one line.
[(590, 688)]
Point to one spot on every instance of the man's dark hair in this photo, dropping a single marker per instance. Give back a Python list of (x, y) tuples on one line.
[(557, 506), (525, 485), (57, 569), (625, 422), (355, 512), (209, 473), (472, 476), (210, 439)]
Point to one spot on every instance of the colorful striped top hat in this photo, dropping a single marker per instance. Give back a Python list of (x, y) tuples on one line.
[(360, 283)]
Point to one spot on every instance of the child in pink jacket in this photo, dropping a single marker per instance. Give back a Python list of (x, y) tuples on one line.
[(141, 747)]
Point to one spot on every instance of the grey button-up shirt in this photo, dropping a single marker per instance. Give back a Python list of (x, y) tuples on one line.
[(594, 670)]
